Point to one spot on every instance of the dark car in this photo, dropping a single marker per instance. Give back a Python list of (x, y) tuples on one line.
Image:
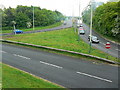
[(16, 31), (94, 39)]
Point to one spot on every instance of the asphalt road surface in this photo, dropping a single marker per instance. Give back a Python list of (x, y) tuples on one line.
[(114, 50), (68, 24), (64, 70)]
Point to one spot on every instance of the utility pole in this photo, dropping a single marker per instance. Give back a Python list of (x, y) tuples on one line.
[(33, 17), (90, 28), (79, 22)]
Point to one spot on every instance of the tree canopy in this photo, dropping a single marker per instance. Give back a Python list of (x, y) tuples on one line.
[(105, 19), (23, 15)]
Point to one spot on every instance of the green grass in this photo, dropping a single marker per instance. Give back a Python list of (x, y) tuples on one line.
[(36, 28), (62, 39), (14, 78), (0, 75)]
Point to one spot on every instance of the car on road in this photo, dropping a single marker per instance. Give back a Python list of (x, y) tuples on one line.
[(94, 39), (82, 32), (65, 23), (81, 28), (79, 25), (16, 31)]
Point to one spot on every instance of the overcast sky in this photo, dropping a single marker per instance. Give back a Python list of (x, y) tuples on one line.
[(66, 7)]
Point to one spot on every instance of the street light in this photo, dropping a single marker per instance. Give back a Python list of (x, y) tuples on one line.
[(79, 22), (90, 28)]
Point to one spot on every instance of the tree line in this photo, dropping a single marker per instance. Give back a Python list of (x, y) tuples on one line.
[(22, 17), (106, 19)]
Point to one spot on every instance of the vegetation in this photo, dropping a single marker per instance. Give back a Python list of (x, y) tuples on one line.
[(105, 19), (22, 17), (62, 39), (35, 28), (14, 78)]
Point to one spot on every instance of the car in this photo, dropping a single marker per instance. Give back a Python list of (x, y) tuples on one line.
[(94, 39), (82, 32), (81, 25), (16, 31), (81, 28), (65, 23)]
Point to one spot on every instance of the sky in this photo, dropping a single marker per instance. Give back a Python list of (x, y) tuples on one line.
[(66, 7)]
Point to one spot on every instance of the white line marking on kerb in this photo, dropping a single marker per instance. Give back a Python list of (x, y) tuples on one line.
[(50, 64), (21, 56), (94, 77)]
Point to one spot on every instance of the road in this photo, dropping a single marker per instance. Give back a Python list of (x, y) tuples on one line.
[(69, 24), (64, 70), (114, 50)]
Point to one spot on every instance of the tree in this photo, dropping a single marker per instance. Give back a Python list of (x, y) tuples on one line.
[(21, 19)]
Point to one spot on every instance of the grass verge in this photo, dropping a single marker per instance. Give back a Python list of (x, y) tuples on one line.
[(106, 37), (14, 78), (36, 28), (62, 39)]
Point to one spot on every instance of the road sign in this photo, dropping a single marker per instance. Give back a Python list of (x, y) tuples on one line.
[(107, 45)]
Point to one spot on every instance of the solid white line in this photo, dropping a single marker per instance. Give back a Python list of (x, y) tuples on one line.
[(50, 64), (21, 56), (94, 77)]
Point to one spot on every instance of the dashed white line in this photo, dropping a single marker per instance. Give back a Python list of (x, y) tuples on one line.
[(3, 52), (21, 56), (117, 49), (50, 64), (94, 77), (103, 43)]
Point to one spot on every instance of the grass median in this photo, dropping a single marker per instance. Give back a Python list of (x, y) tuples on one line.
[(62, 39), (36, 28), (14, 78)]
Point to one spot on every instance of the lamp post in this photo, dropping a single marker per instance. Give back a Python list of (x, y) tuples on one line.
[(90, 27), (79, 22)]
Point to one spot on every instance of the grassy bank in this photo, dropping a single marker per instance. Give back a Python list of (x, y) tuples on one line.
[(106, 37), (36, 28), (62, 39), (14, 78)]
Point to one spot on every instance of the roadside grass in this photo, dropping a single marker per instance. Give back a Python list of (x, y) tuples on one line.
[(104, 36), (62, 39), (36, 28), (0, 75), (14, 78)]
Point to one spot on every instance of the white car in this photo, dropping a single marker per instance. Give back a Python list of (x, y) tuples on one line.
[(94, 39), (82, 32)]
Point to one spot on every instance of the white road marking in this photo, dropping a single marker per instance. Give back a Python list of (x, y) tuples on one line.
[(21, 56), (50, 64), (103, 43), (117, 49), (3, 52), (95, 77)]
